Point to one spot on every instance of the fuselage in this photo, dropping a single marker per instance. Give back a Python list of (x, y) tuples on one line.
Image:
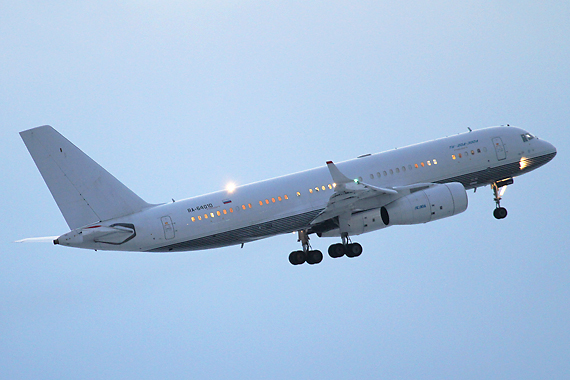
[(289, 203)]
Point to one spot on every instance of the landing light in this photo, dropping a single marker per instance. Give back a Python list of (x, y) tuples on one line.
[(523, 163)]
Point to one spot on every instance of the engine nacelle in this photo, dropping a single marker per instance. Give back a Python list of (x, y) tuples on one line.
[(437, 202)]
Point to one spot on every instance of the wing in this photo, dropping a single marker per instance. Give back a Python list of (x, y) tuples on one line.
[(352, 195)]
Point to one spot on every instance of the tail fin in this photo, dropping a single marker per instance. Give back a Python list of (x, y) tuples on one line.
[(84, 192)]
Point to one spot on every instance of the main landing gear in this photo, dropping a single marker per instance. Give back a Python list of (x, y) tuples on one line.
[(307, 254), (345, 248), (498, 191), (314, 256)]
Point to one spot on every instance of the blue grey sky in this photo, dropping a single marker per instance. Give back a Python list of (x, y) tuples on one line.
[(176, 98)]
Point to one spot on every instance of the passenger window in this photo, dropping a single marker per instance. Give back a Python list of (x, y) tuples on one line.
[(267, 201), (243, 207), (397, 170), (453, 156), (298, 194), (199, 217), (459, 155), (212, 214), (279, 199), (317, 188), (261, 203), (391, 171), (422, 164), (434, 161), (371, 176), (311, 191), (219, 213), (286, 197), (205, 216), (249, 205), (378, 174), (385, 174), (403, 168), (478, 150), (472, 152), (330, 186), (273, 200), (193, 219), (225, 212), (231, 209)]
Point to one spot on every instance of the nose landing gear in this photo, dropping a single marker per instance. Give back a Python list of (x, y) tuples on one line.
[(498, 191)]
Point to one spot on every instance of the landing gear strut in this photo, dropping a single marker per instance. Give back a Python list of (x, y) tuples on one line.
[(306, 255), (498, 191)]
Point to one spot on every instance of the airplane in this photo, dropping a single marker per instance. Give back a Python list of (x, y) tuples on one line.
[(416, 184)]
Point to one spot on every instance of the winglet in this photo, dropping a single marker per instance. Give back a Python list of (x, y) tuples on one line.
[(336, 175)]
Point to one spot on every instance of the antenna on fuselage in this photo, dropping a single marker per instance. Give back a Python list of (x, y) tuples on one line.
[(469, 129)]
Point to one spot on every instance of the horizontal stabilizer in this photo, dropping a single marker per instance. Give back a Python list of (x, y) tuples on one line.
[(84, 192), (46, 239)]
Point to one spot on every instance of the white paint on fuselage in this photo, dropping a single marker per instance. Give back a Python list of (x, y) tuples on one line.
[(149, 226)]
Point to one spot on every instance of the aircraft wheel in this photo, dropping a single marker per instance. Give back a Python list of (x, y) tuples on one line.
[(336, 250), (500, 213), (314, 257), (297, 257), (353, 250)]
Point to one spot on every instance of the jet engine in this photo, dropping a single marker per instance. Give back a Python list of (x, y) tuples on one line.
[(422, 206)]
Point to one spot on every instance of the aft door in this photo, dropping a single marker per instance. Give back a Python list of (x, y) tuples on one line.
[(168, 227), (499, 148)]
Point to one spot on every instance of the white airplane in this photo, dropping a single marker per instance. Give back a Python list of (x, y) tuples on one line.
[(416, 184)]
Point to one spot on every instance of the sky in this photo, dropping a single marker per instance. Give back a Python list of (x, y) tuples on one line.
[(176, 98)]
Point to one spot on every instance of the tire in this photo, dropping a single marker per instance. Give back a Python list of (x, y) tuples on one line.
[(297, 257), (353, 250), (336, 251), (314, 257), (500, 213)]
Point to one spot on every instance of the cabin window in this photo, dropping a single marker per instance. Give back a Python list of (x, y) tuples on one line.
[(243, 207), (460, 155), (231, 209), (298, 194), (249, 205), (212, 214), (225, 212), (311, 191), (429, 163), (193, 219), (279, 199), (478, 150), (434, 161), (472, 152), (267, 201), (453, 156), (397, 170), (391, 171), (205, 216), (371, 176), (330, 186), (385, 174), (286, 197), (219, 213), (403, 168), (416, 166), (273, 200), (199, 217)]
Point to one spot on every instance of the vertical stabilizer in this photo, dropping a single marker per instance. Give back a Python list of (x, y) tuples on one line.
[(84, 192)]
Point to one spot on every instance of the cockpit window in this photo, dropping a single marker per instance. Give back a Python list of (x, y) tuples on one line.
[(527, 137)]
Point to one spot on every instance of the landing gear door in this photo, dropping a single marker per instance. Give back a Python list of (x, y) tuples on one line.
[(168, 227), (499, 148)]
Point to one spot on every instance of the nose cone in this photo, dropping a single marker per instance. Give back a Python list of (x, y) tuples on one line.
[(548, 150)]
